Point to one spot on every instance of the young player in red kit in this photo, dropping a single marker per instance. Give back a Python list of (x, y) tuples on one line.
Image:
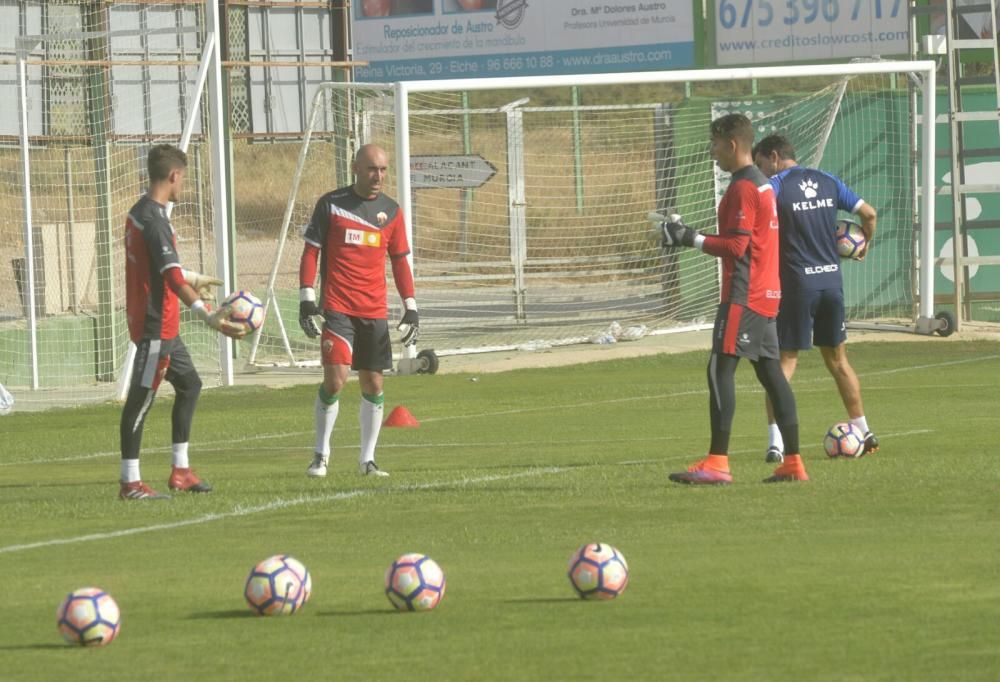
[(154, 281), (351, 232), (747, 243)]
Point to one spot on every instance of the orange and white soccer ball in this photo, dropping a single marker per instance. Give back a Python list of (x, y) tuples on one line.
[(278, 586), (245, 309), (844, 439), (598, 571), (414, 582), (89, 617)]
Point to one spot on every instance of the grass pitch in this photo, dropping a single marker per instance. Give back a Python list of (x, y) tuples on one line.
[(883, 568)]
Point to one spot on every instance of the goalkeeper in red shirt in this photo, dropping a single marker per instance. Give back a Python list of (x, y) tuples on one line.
[(745, 327), (351, 231), (154, 283)]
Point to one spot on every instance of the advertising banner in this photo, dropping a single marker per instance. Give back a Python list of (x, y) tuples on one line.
[(431, 39), (762, 31)]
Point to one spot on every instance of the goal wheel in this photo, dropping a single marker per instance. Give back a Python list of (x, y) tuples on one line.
[(947, 321), (427, 362)]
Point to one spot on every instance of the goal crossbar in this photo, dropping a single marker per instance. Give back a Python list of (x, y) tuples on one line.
[(924, 71), (494, 276)]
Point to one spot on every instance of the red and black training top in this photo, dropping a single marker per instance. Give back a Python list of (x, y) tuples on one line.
[(150, 261), (747, 243), (352, 236)]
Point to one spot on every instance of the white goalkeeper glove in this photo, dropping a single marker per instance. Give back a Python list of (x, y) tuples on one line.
[(219, 320), (409, 326), (672, 231), (201, 283)]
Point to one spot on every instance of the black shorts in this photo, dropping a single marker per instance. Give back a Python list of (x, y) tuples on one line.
[(741, 332), (159, 358), (812, 317), (361, 342)]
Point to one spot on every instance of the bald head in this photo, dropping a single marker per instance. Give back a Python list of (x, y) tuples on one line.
[(370, 166)]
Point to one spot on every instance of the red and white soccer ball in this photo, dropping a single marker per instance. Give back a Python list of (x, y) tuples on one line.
[(278, 586), (598, 571), (414, 582), (245, 309), (850, 239), (89, 617), (844, 440)]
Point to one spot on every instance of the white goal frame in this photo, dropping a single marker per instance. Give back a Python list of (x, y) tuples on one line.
[(209, 78), (922, 75), (922, 72)]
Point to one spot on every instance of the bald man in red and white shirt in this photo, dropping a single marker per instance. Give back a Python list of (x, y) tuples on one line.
[(351, 232)]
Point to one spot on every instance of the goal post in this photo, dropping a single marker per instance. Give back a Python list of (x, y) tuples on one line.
[(92, 100), (552, 246), (919, 74)]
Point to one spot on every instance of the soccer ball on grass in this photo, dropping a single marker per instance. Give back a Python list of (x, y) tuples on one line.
[(598, 571), (89, 617), (414, 582), (277, 586), (844, 440)]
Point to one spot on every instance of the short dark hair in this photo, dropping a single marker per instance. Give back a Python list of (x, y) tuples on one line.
[(734, 127), (163, 159), (775, 143)]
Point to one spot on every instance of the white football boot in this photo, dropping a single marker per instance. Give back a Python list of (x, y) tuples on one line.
[(371, 469), (318, 467)]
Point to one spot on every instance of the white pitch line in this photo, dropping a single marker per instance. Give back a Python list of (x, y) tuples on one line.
[(159, 448), (345, 495), (524, 410), (276, 504)]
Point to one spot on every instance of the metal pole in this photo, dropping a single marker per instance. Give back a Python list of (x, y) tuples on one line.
[(702, 75), (465, 193), (577, 150), (199, 192), (100, 129), (29, 250), (957, 165), (517, 202), (220, 194), (404, 194), (74, 295), (825, 137), (927, 199)]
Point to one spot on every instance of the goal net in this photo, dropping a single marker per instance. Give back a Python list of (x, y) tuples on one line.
[(91, 96), (528, 197)]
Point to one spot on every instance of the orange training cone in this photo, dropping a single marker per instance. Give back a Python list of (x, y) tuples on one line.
[(400, 416)]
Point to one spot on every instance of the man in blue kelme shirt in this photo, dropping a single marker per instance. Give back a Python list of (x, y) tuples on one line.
[(812, 303)]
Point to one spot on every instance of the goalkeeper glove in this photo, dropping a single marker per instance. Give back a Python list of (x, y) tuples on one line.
[(219, 320), (201, 283), (307, 310), (676, 233), (409, 326), (672, 231)]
